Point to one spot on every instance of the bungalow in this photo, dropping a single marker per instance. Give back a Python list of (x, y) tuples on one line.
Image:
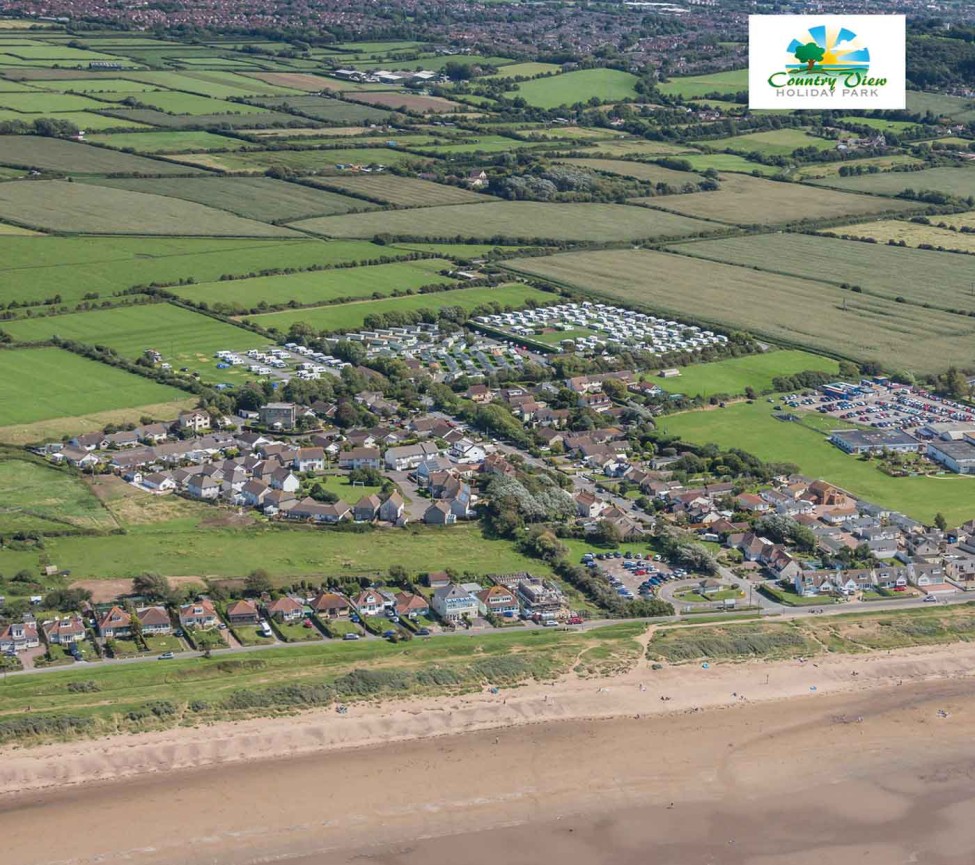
[(926, 576), (154, 620), (752, 503), (64, 632), (77, 457), (243, 613), (159, 481), (453, 604), (360, 458), (411, 605), (114, 623), (439, 514), (309, 460), (286, 609), (331, 605), (200, 614), (392, 509), (498, 600), (19, 636), (370, 603), (366, 509)]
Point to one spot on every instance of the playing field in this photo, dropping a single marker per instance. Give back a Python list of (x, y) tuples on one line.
[(696, 86), (752, 428), (80, 207), (168, 142), (606, 85), (733, 375), (183, 338), (323, 286), (911, 234), (794, 310), (33, 269), (774, 142), (259, 198), (402, 191), (519, 220), (351, 316), (942, 280), (72, 157), (744, 200), (951, 181), (41, 383)]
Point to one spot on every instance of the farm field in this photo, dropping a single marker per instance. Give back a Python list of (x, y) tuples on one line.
[(480, 144), (831, 169), (134, 117), (80, 207), (222, 85), (72, 157), (259, 198), (911, 234), (402, 101), (42, 383), (733, 375), (184, 338), (318, 286), (640, 170), (697, 86), (168, 142), (39, 102), (402, 191), (310, 161), (752, 428), (305, 81), (35, 497), (794, 310), (326, 109), (728, 162), (351, 316), (958, 108), (177, 102), (33, 269), (607, 85), (520, 220), (744, 200), (526, 70), (951, 181), (921, 276), (639, 148), (774, 142)]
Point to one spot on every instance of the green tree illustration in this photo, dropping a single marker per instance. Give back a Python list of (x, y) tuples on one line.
[(809, 54)]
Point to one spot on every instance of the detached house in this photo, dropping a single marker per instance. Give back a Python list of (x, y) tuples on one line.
[(366, 509), (19, 636), (453, 604), (360, 458), (154, 620), (439, 514), (286, 609), (498, 600), (392, 509), (370, 603), (114, 624), (331, 605), (410, 605), (243, 613), (198, 421), (200, 615), (309, 460), (64, 632)]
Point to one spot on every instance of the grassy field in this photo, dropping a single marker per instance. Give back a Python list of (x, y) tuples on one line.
[(794, 310), (328, 110), (192, 690), (728, 162), (404, 101), (39, 268), (320, 286), (951, 181), (46, 103), (696, 86), (753, 428), (607, 85), (638, 148), (519, 220), (35, 497), (175, 102), (525, 70), (311, 161), (184, 338), (909, 233), (402, 191), (168, 142), (744, 200), (350, 316), (42, 383), (134, 117), (774, 142), (732, 376), (260, 198), (958, 108), (921, 276), (80, 207), (640, 170), (72, 157), (814, 170)]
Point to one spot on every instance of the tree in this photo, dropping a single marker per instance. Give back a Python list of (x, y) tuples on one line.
[(66, 600), (258, 582), (810, 54), (607, 534), (154, 587), (940, 521)]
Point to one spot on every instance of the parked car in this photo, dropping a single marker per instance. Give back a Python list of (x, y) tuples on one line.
[(166, 656), (550, 623), (423, 632), (575, 620)]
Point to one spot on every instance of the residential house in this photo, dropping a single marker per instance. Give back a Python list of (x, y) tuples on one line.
[(19, 636), (114, 623), (961, 570), (366, 509), (370, 603), (360, 458), (453, 604), (438, 579), (410, 605), (410, 456), (254, 493), (309, 460), (499, 600), (159, 481), (197, 421), (439, 514), (392, 509), (64, 632), (589, 505), (286, 609), (752, 503), (200, 614), (284, 479), (154, 620), (243, 612), (202, 487), (331, 605)]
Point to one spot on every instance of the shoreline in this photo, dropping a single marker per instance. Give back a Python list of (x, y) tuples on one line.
[(637, 693)]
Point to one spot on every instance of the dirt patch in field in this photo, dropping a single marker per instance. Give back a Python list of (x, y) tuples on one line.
[(223, 519), (132, 506), (106, 591)]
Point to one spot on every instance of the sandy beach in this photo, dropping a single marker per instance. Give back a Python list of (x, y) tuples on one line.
[(744, 763)]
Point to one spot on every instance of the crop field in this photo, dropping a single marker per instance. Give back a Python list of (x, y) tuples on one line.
[(168, 142), (219, 85), (184, 338), (909, 233), (35, 497), (607, 85), (351, 316), (126, 118), (774, 142), (696, 86), (80, 207), (525, 70), (302, 161), (753, 428), (951, 181), (638, 148), (412, 102), (640, 170), (832, 169), (744, 200), (175, 102), (733, 375), (42, 383), (327, 110), (520, 220), (46, 103), (402, 191), (728, 162), (33, 269), (921, 276), (481, 144), (319, 286), (794, 310), (258, 198), (306, 81), (71, 157)]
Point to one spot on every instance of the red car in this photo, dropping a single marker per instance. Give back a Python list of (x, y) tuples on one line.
[(575, 620)]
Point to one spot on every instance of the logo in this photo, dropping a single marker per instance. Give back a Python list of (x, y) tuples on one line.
[(816, 62)]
